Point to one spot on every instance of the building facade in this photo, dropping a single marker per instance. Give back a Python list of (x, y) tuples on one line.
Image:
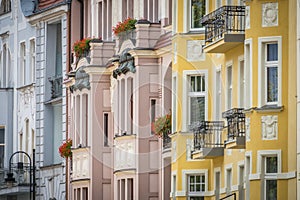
[(232, 135), (116, 90), (17, 78)]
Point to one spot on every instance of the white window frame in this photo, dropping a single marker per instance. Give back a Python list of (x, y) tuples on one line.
[(228, 167), (261, 156), (248, 72), (174, 101), (185, 96), (229, 87), (32, 58), (262, 95), (218, 94), (23, 63), (242, 82), (187, 16), (185, 181)]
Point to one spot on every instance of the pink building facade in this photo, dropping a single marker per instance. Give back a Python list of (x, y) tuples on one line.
[(115, 91)]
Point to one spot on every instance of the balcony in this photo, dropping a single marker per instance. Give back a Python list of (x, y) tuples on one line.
[(235, 128), (81, 163), (208, 139), (22, 180), (56, 86), (224, 29)]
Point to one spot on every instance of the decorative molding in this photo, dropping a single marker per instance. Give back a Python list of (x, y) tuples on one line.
[(269, 125), (247, 17), (254, 176), (269, 14), (194, 50)]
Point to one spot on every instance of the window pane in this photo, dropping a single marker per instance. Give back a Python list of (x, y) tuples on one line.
[(197, 12), (197, 109), (271, 163), (193, 84), (2, 136), (198, 179), (271, 190), (272, 52), (198, 188), (192, 179), (272, 84)]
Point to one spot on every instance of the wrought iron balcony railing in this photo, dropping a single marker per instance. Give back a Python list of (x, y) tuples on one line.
[(166, 141), (207, 134), (235, 123), (56, 86), (226, 19)]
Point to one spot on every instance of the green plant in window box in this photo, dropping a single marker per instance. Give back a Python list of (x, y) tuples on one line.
[(162, 126)]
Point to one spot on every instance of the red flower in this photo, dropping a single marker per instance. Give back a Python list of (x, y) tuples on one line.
[(65, 149), (127, 24)]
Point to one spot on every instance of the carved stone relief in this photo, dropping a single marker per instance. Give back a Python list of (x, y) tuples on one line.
[(269, 14), (194, 50), (269, 125)]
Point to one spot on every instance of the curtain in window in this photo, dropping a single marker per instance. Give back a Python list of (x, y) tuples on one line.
[(272, 84), (197, 109)]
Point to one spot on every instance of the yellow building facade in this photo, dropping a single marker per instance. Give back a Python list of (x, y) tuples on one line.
[(234, 104)]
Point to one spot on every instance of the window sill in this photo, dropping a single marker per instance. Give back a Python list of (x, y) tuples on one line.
[(269, 108)]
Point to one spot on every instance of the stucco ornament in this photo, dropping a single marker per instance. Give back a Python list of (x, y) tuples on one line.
[(247, 15), (269, 14), (194, 50), (269, 126), (247, 123)]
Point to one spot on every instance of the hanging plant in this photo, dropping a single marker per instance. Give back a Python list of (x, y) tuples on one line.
[(65, 149)]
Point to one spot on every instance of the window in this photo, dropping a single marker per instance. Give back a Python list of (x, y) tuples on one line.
[(218, 95), (248, 74), (269, 52), (104, 18), (152, 110), (2, 147), (197, 11), (196, 97), (105, 127), (241, 84), (5, 68), (5, 6), (32, 59), (229, 87), (127, 9), (271, 169), (228, 180), (23, 70), (271, 73), (196, 184), (151, 10)]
